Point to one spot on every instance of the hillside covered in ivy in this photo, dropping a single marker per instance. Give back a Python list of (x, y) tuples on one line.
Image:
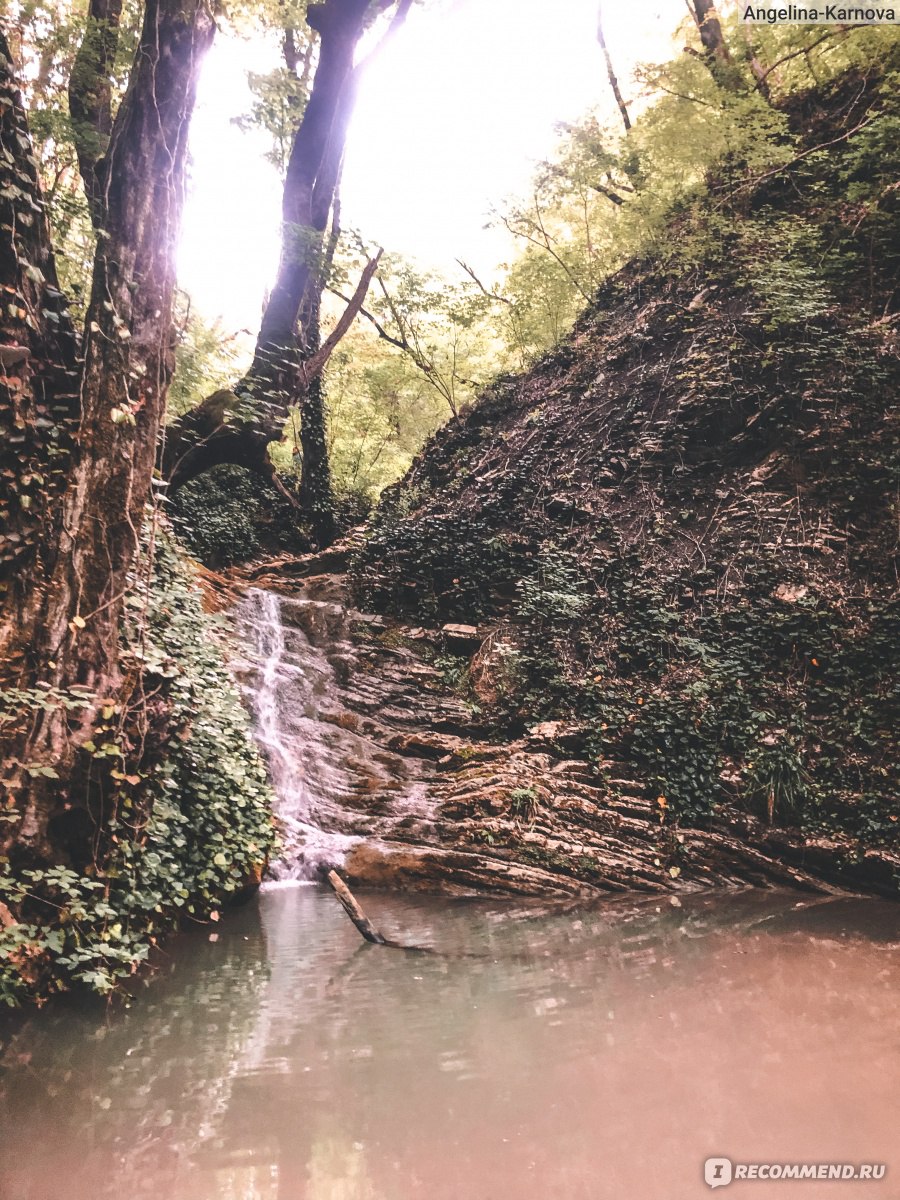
[(677, 534)]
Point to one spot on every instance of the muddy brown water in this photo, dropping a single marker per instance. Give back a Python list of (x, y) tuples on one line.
[(589, 1052)]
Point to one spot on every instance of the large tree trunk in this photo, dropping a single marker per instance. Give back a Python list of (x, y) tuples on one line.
[(39, 386), (310, 183), (73, 637)]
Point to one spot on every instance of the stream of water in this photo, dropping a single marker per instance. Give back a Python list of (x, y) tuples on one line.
[(335, 786), (600, 1050), (289, 685)]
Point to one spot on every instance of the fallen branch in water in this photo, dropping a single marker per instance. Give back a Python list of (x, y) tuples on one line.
[(355, 912)]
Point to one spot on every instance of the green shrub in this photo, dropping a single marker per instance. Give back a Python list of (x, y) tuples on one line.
[(228, 515), (188, 820)]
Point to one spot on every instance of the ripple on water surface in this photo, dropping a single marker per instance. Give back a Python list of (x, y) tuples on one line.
[(587, 1052)]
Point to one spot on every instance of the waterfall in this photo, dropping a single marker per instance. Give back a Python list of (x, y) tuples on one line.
[(289, 683)]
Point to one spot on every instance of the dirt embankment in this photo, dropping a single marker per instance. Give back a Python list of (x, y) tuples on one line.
[(677, 535)]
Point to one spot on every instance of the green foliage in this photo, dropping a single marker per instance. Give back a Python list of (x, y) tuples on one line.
[(380, 410), (432, 344), (279, 98), (721, 617), (188, 820), (455, 670), (714, 706), (608, 197), (524, 804), (784, 269), (440, 326), (677, 740), (206, 360), (460, 563), (777, 779), (555, 593), (45, 37), (228, 515), (280, 95)]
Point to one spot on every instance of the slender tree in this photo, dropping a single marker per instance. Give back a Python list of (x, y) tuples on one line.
[(237, 426), (610, 72), (82, 422)]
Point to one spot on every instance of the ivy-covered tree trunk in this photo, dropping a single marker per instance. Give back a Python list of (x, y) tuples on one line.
[(39, 386), (90, 97), (64, 629)]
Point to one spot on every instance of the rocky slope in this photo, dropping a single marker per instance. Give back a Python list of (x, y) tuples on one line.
[(401, 783), (676, 537)]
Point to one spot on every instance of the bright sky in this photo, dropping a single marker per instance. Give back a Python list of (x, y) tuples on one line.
[(451, 119)]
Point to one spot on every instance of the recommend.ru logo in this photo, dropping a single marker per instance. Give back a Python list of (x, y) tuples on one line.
[(719, 1171)]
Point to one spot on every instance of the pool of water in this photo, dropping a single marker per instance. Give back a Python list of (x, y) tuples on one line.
[(595, 1051)]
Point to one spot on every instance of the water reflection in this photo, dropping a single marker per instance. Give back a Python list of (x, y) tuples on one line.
[(593, 1052)]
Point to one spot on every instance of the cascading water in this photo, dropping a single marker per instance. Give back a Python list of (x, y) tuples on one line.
[(333, 786), (288, 683)]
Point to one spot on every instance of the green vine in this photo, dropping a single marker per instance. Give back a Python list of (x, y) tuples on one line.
[(189, 823)]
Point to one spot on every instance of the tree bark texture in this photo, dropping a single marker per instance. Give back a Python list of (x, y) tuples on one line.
[(39, 384), (73, 637), (90, 97)]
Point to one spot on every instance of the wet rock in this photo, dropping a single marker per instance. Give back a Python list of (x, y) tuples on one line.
[(373, 620), (461, 636), (559, 733), (456, 873), (425, 744), (380, 768), (546, 730)]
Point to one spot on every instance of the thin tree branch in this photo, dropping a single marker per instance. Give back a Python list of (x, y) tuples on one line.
[(557, 170), (605, 191), (545, 244), (750, 183), (379, 328), (796, 53), (613, 80), (490, 295), (683, 95), (414, 351), (314, 366)]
